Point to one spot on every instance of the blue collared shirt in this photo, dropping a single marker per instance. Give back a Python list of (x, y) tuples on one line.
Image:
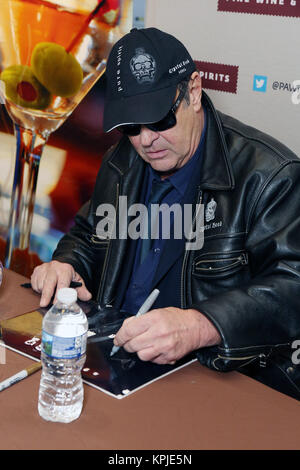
[(142, 274)]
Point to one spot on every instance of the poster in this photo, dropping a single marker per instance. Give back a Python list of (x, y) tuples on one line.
[(119, 375)]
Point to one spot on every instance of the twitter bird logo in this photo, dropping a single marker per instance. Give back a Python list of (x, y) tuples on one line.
[(260, 83)]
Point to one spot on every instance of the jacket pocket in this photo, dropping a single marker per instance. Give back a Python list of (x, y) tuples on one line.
[(215, 265)]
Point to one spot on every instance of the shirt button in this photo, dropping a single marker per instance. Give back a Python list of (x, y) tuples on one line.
[(157, 250)]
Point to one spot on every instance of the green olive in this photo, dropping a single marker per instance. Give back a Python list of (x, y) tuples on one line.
[(23, 88), (56, 69)]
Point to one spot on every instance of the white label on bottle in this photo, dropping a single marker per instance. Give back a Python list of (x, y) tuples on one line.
[(63, 348)]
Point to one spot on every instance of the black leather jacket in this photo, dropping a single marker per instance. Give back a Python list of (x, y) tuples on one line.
[(246, 277)]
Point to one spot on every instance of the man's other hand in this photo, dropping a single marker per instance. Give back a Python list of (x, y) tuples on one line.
[(47, 278)]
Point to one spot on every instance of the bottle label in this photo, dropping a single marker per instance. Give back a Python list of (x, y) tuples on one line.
[(63, 348)]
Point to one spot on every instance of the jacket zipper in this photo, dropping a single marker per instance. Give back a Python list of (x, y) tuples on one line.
[(186, 253), (243, 358), (242, 259), (100, 290), (262, 358), (250, 359)]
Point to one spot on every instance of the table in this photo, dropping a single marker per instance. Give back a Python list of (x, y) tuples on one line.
[(193, 408)]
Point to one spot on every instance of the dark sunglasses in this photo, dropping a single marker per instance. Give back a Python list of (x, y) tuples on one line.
[(166, 123)]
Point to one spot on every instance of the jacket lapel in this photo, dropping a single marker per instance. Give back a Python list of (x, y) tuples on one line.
[(130, 184)]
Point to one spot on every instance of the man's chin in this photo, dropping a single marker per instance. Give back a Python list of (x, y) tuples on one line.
[(163, 167)]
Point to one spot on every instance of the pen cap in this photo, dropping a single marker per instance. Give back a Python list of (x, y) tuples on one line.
[(66, 295)]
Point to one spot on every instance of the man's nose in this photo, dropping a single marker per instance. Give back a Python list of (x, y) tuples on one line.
[(148, 136)]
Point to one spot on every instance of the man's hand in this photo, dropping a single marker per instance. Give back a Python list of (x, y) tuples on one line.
[(49, 277), (165, 335)]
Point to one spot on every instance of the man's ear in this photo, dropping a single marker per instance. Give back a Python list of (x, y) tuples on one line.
[(195, 91)]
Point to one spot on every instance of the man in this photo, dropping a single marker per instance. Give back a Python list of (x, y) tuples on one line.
[(234, 300)]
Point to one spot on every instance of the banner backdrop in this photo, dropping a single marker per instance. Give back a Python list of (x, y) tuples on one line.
[(247, 52)]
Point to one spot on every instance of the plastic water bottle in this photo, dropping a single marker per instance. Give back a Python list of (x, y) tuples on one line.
[(63, 355)]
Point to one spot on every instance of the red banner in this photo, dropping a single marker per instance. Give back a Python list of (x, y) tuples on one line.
[(289, 8), (218, 77)]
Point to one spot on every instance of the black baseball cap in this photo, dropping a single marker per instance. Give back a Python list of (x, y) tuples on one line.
[(142, 74)]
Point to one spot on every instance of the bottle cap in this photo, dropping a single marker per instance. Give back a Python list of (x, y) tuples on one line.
[(66, 295)]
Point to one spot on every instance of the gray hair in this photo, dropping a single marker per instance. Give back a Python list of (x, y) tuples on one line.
[(184, 84)]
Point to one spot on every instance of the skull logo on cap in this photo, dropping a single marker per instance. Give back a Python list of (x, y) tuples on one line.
[(143, 66)]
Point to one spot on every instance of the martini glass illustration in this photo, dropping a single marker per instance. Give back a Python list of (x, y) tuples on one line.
[(52, 52)]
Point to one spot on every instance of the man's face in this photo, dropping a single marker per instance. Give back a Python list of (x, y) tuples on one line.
[(169, 150)]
